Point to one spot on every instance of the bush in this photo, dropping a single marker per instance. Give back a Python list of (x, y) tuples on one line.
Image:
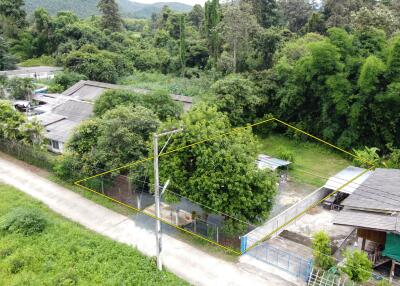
[(322, 250), (367, 157), (357, 265), (40, 61), (286, 154), (67, 79), (24, 221)]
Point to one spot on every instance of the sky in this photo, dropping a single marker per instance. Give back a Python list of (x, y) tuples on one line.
[(189, 2)]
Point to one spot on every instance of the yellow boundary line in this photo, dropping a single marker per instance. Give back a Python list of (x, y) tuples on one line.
[(234, 130)]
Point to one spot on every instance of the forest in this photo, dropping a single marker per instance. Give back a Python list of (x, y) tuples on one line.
[(331, 68)]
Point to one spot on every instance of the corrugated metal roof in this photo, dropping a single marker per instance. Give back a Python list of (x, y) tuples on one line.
[(379, 192), (268, 162), (61, 130), (368, 220), (49, 118), (76, 111), (337, 181)]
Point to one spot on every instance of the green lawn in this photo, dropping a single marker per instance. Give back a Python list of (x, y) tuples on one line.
[(68, 254), (309, 157)]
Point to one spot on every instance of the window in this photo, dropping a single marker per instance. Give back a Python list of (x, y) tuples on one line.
[(55, 145)]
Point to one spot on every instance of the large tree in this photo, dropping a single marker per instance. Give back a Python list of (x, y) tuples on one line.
[(219, 173), (212, 18), (7, 61), (237, 26), (12, 16), (110, 17), (266, 11)]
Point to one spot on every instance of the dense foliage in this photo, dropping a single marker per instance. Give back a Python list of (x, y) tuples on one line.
[(66, 254), (219, 173), (322, 252), (357, 265)]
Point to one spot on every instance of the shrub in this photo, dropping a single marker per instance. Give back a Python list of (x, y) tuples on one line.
[(24, 221), (357, 265), (367, 157), (16, 265), (322, 250), (286, 154)]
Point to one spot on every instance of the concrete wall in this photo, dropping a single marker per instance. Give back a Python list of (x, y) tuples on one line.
[(284, 218)]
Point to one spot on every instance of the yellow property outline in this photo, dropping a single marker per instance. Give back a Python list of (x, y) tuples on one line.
[(232, 131)]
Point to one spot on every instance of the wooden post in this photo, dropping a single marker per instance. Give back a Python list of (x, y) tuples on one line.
[(392, 271), (363, 243)]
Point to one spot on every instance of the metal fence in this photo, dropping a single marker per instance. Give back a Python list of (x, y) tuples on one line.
[(271, 227), (283, 260), (319, 277), (28, 154)]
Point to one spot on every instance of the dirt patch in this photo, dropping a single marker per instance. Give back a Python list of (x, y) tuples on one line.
[(38, 171)]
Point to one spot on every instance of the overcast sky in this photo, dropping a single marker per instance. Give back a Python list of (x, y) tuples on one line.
[(189, 2)]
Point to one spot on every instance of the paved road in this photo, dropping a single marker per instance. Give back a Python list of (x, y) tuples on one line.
[(184, 260)]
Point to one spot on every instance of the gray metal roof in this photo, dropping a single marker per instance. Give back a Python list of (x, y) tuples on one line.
[(49, 118), (379, 192), (268, 162), (369, 220), (88, 90), (343, 177), (61, 130), (74, 110)]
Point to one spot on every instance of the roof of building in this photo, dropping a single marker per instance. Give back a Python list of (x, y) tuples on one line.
[(350, 174), (74, 110), (379, 192), (369, 220), (268, 162), (88, 90), (61, 130), (49, 118), (31, 70)]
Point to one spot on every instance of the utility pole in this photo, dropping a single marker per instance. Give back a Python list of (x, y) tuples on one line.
[(157, 191)]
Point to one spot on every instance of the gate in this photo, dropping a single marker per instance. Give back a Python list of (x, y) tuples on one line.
[(283, 260)]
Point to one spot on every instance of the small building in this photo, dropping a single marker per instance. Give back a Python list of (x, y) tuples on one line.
[(374, 210), (268, 162), (40, 72), (61, 113)]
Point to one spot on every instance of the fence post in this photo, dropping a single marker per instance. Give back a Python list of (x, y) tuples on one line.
[(243, 244), (217, 234)]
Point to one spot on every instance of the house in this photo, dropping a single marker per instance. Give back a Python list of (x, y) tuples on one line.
[(40, 72), (61, 113), (61, 120), (373, 208), (88, 90)]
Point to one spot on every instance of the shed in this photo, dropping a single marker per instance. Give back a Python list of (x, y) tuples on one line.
[(268, 162)]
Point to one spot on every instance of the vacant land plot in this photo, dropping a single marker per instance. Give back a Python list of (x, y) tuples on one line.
[(312, 161), (67, 254)]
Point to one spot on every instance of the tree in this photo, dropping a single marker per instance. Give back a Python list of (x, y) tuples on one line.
[(7, 61), (237, 25), (12, 15), (394, 60), (315, 24), (16, 127), (220, 173), (357, 265), (110, 17), (20, 88), (182, 43), (236, 97), (158, 101), (266, 11), (196, 16), (66, 79), (212, 19), (322, 251), (295, 13)]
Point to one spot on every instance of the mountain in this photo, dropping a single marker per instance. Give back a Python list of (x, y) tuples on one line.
[(87, 8)]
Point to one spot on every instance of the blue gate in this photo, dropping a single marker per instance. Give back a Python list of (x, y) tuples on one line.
[(283, 260)]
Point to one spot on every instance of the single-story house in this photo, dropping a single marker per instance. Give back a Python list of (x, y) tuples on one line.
[(40, 72), (373, 208), (61, 113)]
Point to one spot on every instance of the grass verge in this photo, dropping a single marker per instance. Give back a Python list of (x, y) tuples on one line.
[(68, 254)]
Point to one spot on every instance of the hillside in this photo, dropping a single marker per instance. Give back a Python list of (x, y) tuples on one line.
[(86, 8)]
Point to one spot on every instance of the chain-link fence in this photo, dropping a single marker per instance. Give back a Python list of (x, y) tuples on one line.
[(28, 154)]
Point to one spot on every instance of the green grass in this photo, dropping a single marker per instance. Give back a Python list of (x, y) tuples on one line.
[(310, 157), (68, 254), (195, 87), (41, 61)]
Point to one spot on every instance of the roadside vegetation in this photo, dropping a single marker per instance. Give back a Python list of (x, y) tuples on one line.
[(38, 247)]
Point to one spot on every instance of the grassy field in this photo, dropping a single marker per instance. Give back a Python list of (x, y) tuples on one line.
[(68, 254), (313, 161)]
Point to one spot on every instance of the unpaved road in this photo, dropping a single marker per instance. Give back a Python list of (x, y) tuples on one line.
[(186, 261)]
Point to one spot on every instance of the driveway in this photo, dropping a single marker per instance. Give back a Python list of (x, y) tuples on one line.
[(186, 261)]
